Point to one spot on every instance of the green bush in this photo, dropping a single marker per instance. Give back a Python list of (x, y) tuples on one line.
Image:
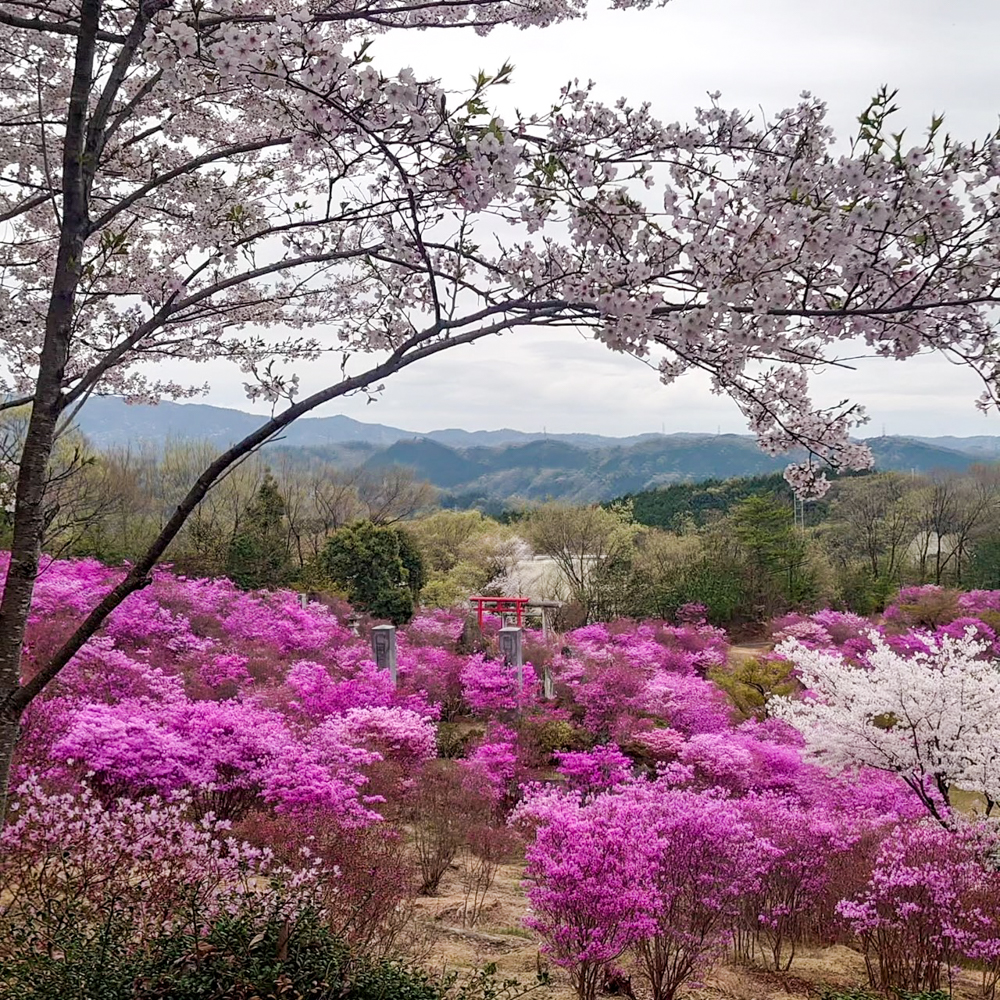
[(863, 593), (258, 555), (541, 738), (847, 993), (858, 993), (378, 567), (231, 960), (453, 739)]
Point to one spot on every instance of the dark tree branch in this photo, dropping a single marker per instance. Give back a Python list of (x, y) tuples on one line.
[(56, 27), (416, 349)]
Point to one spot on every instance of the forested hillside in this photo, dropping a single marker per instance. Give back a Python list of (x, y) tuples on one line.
[(494, 478), (681, 504)]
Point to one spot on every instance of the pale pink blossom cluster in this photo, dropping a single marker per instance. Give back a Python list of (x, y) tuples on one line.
[(929, 713)]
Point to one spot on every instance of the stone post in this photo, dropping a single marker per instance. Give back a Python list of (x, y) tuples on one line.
[(384, 649), (509, 642), (548, 686)]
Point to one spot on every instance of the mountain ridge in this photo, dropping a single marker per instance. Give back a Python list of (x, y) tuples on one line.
[(503, 467), (109, 421)]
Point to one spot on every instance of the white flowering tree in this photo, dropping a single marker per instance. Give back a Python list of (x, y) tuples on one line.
[(932, 718), (237, 179)]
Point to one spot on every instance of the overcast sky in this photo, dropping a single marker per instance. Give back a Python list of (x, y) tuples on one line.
[(942, 56)]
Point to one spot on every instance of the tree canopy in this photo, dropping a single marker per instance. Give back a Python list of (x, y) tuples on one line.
[(379, 568)]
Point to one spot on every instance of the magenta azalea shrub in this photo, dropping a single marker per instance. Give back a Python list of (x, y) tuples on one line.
[(658, 825), (241, 701), (490, 686), (594, 770), (495, 763), (646, 867), (913, 916), (589, 884)]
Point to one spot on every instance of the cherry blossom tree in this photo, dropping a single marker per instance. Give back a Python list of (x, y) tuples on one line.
[(219, 179), (931, 717)]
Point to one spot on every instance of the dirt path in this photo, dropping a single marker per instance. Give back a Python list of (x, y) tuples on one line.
[(747, 651)]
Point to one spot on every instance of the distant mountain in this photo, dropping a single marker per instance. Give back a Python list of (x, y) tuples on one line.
[(549, 469), (985, 446), (495, 468), (918, 455), (108, 421), (469, 439)]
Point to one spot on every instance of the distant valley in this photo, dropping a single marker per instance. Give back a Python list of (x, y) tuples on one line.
[(492, 469)]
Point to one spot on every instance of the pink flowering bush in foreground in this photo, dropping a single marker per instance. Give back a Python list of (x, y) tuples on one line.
[(64, 856), (676, 877), (660, 871), (915, 916), (239, 700), (590, 886)]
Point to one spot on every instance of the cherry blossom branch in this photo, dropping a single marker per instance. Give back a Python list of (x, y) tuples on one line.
[(414, 350), (55, 27), (182, 170)]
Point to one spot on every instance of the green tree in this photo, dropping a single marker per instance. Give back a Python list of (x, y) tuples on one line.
[(751, 683), (258, 553), (984, 566), (378, 567), (774, 553), (463, 552), (871, 529)]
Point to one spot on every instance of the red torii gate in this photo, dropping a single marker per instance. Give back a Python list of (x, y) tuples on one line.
[(501, 605)]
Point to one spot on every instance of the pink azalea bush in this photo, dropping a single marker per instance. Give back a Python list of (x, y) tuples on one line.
[(589, 883), (490, 686), (594, 770), (913, 916), (495, 763), (659, 825), (678, 875), (241, 700), (656, 870), (150, 860), (621, 679)]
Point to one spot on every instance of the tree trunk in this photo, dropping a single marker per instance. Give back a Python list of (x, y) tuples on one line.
[(10, 727), (29, 510)]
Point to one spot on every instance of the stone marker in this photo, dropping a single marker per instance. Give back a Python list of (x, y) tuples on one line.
[(509, 642), (384, 649), (548, 687)]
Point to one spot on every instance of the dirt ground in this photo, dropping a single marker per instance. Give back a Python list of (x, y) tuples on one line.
[(500, 938), (747, 651)]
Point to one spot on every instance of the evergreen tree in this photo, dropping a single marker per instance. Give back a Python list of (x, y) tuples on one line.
[(258, 553), (774, 553), (379, 568)]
